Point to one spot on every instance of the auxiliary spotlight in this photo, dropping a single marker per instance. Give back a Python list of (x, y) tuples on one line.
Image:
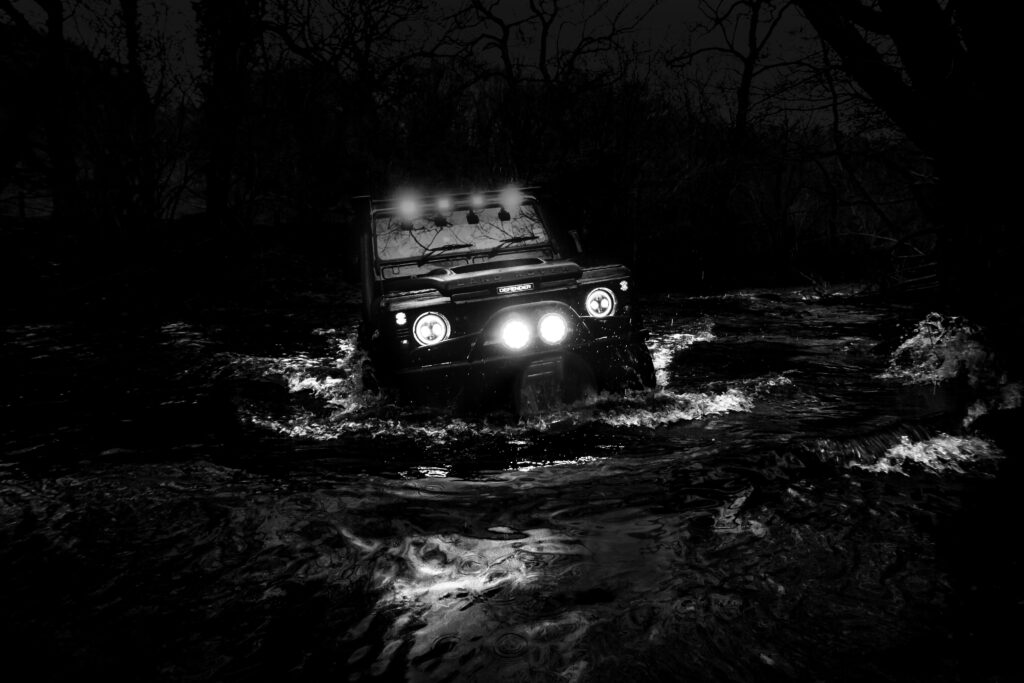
[(515, 334), (553, 328)]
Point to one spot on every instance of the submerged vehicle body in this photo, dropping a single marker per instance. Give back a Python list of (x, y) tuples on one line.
[(476, 298)]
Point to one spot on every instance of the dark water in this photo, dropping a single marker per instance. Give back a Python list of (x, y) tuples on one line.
[(218, 499)]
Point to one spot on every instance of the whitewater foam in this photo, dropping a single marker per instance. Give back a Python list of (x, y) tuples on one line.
[(938, 454), (663, 347), (942, 348)]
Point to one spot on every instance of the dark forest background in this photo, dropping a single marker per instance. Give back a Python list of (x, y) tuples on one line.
[(168, 151)]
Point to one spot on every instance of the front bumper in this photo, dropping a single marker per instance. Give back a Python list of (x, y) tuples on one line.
[(481, 372)]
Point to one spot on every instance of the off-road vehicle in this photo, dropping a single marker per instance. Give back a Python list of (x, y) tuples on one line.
[(478, 297)]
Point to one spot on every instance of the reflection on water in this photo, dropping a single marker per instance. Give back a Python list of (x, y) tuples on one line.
[(219, 501), (459, 594)]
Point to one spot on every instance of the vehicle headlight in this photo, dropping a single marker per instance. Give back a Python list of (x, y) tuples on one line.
[(515, 334), (553, 328), (600, 302), (431, 328)]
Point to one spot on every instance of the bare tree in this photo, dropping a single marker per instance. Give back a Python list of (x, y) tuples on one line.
[(53, 106), (228, 32), (108, 106), (551, 41), (934, 67), (741, 32)]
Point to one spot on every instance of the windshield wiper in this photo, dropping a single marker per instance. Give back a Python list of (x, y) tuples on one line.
[(512, 240), (444, 247)]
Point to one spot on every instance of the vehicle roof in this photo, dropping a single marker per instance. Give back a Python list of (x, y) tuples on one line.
[(457, 198)]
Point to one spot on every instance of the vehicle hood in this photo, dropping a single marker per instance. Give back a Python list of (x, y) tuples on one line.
[(450, 283)]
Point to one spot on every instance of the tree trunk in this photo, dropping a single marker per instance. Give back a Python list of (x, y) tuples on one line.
[(747, 74), (950, 64), (63, 167), (139, 192), (228, 36)]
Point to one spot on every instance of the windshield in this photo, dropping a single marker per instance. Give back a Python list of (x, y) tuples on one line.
[(424, 239)]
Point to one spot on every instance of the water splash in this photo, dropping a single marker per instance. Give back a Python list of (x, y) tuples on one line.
[(438, 431), (665, 346), (337, 377), (938, 454), (323, 396), (533, 466), (335, 380), (647, 410), (947, 348), (942, 348), (666, 407), (1008, 397)]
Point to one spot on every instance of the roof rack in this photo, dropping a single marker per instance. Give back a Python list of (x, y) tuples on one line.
[(457, 198)]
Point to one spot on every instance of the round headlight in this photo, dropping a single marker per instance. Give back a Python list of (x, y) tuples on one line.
[(515, 334), (600, 302), (431, 328), (553, 328)]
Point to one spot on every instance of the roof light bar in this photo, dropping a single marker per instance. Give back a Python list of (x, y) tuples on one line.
[(409, 208)]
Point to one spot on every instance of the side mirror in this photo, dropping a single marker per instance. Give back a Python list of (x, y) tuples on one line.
[(576, 240)]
